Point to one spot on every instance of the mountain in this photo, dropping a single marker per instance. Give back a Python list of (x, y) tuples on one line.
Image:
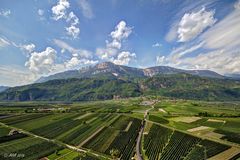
[(109, 69), (233, 76), (180, 85), (3, 88), (170, 70), (106, 69), (187, 86)]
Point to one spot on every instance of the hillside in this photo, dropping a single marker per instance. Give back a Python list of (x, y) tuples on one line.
[(191, 87), (72, 90), (100, 88)]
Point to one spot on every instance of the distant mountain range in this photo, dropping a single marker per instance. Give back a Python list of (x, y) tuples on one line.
[(3, 88), (108, 81), (233, 76), (112, 70)]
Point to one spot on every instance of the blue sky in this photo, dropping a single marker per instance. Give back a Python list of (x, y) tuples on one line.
[(43, 37)]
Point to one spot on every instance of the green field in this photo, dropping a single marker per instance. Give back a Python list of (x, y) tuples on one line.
[(109, 129)]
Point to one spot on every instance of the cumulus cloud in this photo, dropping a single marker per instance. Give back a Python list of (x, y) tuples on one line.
[(121, 31), (86, 8), (157, 45), (219, 49), (77, 62), (60, 10), (185, 7), (124, 58), (114, 44), (42, 62), (107, 54), (74, 61), (29, 48), (73, 19), (192, 24), (40, 12), (4, 42), (113, 47), (5, 13), (73, 31)]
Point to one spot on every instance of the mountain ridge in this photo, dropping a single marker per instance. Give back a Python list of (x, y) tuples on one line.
[(111, 69), (183, 86)]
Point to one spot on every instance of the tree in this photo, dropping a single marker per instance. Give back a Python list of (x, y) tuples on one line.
[(57, 152), (114, 153)]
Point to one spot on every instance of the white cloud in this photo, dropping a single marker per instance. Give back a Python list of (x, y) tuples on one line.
[(160, 60), (107, 53), (5, 13), (73, 19), (157, 45), (172, 33), (4, 42), (237, 5), (79, 57), (77, 62), (185, 7), (177, 54), (75, 52), (59, 10), (124, 58), (113, 48), (86, 8), (219, 49), (225, 34), (29, 48), (192, 24), (74, 61), (40, 12), (42, 62), (114, 44), (15, 75), (121, 32), (220, 61), (73, 31), (182, 51)]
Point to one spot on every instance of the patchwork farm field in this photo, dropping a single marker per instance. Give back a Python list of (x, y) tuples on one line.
[(165, 143), (111, 129)]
